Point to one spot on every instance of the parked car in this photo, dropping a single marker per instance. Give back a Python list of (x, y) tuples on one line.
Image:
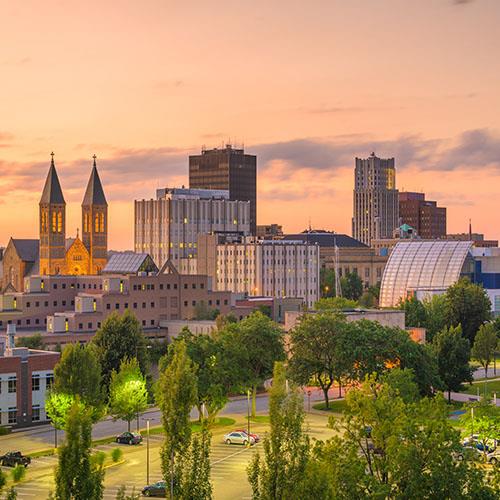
[(493, 457), (158, 489), (256, 437), (129, 438), (13, 458), (236, 437)]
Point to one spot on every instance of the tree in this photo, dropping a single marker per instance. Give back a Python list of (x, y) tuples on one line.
[(214, 376), (77, 476), (335, 304), (31, 342), (57, 406), (414, 312), (118, 338), (128, 395), (318, 351), (195, 468), (11, 494), (368, 300), (468, 305), (485, 345), (203, 312), (352, 286), (175, 396), (392, 447), (453, 355), (286, 449), (327, 282), (78, 373), (436, 314)]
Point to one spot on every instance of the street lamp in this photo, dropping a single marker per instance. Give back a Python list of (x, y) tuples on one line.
[(309, 400), (147, 450), (248, 414)]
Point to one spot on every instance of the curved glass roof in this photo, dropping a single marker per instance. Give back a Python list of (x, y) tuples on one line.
[(421, 264)]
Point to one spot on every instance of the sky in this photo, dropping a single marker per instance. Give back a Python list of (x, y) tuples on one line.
[(306, 86)]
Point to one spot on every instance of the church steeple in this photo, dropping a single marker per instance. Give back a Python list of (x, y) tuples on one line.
[(52, 224), (95, 222)]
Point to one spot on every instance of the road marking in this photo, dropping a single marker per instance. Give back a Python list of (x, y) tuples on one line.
[(229, 456)]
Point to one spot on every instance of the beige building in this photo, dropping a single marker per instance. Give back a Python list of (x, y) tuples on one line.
[(167, 228)]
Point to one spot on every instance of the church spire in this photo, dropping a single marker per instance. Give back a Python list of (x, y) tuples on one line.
[(94, 194), (52, 192)]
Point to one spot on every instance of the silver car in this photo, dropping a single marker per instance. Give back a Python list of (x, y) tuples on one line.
[(238, 438)]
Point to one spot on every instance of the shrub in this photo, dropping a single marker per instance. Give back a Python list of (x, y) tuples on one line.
[(116, 455), (18, 473)]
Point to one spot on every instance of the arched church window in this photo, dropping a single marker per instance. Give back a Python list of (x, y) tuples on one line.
[(102, 223), (54, 222), (96, 223), (59, 222)]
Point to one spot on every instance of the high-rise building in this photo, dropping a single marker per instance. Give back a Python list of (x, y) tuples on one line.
[(229, 169), (168, 227), (375, 208), (428, 220)]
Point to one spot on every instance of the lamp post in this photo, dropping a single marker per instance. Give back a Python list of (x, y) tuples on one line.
[(472, 422), (248, 414), (147, 451), (55, 437), (309, 400)]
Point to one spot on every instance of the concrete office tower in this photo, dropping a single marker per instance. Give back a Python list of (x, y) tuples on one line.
[(376, 204), (168, 227), (229, 169)]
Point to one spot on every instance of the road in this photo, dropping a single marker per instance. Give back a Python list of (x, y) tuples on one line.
[(229, 463)]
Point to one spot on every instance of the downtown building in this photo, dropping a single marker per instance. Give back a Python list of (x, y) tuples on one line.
[(228, 169), (259, 268), (424, 216), (375, 203), (167, 228)]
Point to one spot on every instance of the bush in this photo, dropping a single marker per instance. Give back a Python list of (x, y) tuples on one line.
[(4, 430), (18, 473), (98, 458), (116, 455)]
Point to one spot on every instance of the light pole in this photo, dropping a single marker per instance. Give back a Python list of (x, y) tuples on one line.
[(147, 451), (309, 400), (55, 437), (248, 414), (472, 422)]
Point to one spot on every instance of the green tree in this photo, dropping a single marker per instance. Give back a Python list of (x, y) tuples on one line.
[(368, 300), (118, 338), (485, 345), (414, 312), (195, 468), (352, 286), (31, 342), (175, 396), (252, 347), (286, 450), (318, 351), (327, 282), (335, 304), (203, 312), (128, 395), (18, 473), (453, 355), (468, 305), (57, 406), (78, 373), (11, 494), (3, 479), (435, 315), (77, 476)]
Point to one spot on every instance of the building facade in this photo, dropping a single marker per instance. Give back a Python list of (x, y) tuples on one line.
[(167, 228), (229, 169), (25, 377), (423, 215), (270, 268), (269, 231), (375, 202)]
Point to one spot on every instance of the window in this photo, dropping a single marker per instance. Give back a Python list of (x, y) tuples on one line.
[(12, 418), (185, 286), (54, 286), (152, 322), (144, 305), (161, 286), (194, 286), (108, 306), (35, 382), (80, 326), (37, 304), (49, 381), (35, 413), (152, 304), (27, 304), (46, 303), (185, 303), (55, 303), (12, 385), (89, 326), (135, 305), (117, 306), (143, 322)]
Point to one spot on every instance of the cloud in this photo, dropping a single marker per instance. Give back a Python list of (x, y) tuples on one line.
[(462, 2), (5, 139), (21, 61)]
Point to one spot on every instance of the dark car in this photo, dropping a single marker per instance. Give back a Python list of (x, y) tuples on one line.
[(13, 458), (158, 489), (129, 438)]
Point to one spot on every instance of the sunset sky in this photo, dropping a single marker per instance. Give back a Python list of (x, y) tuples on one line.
[(306, 86)]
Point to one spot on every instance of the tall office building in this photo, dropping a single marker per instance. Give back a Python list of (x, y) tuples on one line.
[(376, 204), (168, 227), (229, 169), (428, 220)]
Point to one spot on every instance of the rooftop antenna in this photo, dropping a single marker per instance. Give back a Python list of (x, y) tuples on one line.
[(310, 228), (470, 229), (336, 260), (77, 232)]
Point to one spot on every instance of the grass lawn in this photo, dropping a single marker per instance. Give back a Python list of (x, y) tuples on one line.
[(261, 419), (334, 406), (491, 387)]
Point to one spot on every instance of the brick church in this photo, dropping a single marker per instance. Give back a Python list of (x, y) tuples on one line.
[(53, 253)]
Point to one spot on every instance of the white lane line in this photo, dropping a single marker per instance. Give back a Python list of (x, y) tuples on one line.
[(229, 456)]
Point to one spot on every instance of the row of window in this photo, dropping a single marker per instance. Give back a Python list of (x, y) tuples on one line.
[(12, 414), (151, 286), (46, 303), (35, 383)]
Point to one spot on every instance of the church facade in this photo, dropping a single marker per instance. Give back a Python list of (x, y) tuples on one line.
[(53, 253)]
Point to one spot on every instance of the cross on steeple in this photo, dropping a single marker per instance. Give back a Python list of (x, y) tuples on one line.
[(52, 161), (94, 159)]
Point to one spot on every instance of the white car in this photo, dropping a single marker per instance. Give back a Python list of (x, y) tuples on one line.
[(237, 437)]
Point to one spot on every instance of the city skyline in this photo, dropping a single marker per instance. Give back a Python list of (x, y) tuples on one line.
[(131, 97)]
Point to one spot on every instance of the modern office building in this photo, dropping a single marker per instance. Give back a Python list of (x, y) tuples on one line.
[(167, 228), (25, 376), (229, 169), (428, 220), (270, 268), (352, 255), (376, 206)]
